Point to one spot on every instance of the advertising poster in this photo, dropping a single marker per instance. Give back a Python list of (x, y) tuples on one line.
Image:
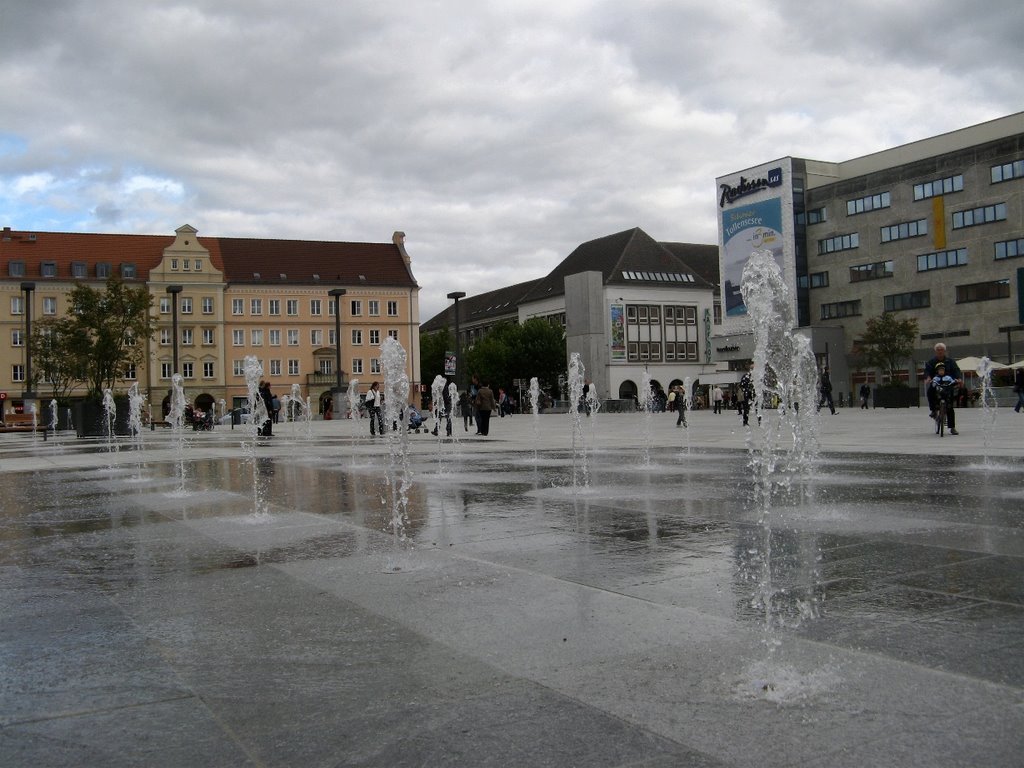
[(618, 334), (449, 363), (747, 228)]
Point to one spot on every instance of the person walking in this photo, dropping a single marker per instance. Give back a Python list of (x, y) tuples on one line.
[(484, 405), (825, 391), (1018, 387), (266, 429), (745, 395), (865, 393), (374, 401), (680, 407)]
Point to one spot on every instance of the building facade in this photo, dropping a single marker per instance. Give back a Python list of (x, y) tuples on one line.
[(229, 298), (930, 230)]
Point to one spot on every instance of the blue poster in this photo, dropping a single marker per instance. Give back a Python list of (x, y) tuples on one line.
[(747, 228)]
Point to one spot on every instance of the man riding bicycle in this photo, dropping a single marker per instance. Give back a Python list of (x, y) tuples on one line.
[(949, 370)]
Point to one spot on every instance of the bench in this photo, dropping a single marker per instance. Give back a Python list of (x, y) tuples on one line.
[(22, 422)]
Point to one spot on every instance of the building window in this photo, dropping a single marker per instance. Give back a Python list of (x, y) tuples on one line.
[(275, 337), (187, 371), (938, 187), (316, 337), (817, 215), (186, 305), (208, 370), (839, 243), (374, 365), (128, 272), (197, 265), (315, 307), (373, 308), (357, 365), (292, 307), (818, 279), (392, 309), (16, 269), (1007, 171), (273, 307), (208, 337), (997, 289), (238, 306), (256, 337), (293, 337), (393, 334), (165, 305), (238, 367), (840, 309), (293, 367), (904, 230), (1010, 249), (79, 270), (48, 269), (357, 307), (17, 372), (238, 337), (375, 337), (165, 337), (255, 306), (942, 259), (868, 203), (166, 370), (17, 305), (875, 271), (911, 300), (174, 265), (357, 336), (186, 265), (130, 372), (207, 303), (275, 367), (103, 269), (49, 305), (17, 338), (187, 337), (973, 217)]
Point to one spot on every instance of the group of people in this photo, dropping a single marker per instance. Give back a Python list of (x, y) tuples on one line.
[(475, 404)]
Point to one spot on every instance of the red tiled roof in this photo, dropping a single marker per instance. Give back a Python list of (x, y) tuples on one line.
[(240, 259)]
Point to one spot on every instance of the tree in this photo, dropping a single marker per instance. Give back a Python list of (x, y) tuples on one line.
[(110, 329), (887, 343), (510, 351), (432, 350), (55, 342)]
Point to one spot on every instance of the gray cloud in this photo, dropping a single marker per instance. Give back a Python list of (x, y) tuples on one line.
[(498, 136)]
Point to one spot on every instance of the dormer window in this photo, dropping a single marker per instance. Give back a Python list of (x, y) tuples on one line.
[(79, 270), (16, 268), (103, 269), (128, 272), (48, 269)]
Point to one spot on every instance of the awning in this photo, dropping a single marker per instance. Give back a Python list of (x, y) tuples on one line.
[(720, 377)]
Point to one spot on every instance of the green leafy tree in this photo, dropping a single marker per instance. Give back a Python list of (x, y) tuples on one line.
[(432, 350), (55, 343), (887, 343), (511, 351), (111, 329)]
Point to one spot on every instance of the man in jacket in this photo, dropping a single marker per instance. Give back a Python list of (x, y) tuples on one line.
[(484, 405)]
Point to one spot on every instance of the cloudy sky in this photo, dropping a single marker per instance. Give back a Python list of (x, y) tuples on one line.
[(498, 135)]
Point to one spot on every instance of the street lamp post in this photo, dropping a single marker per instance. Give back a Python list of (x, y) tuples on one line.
[(336, 294), (28, 393), (456, 295), (174, 290)]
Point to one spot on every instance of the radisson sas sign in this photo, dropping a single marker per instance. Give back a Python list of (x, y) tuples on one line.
[(731, 194)]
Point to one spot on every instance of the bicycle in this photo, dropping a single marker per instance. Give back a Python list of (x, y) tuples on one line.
[(944, 396)]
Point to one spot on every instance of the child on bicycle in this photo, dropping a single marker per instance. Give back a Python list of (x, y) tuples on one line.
[(945, 387)]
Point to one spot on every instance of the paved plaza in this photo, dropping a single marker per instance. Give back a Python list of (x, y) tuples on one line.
[(552, 597)]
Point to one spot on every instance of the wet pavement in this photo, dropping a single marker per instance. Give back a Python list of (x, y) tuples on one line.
[(210, 601)]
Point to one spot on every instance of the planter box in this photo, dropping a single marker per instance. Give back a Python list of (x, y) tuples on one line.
[(91, 421), (896, 397)]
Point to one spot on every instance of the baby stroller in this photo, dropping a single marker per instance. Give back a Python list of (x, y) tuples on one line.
[(415, 419)]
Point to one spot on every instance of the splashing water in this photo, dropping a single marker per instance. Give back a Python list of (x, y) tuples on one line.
[(535, 407), (453, 398), (353, 399), (396, 398), (989, 406), (579, 451), (53, 416), (783, 447), (646, 398), (109, 414), (177, 419), (437, 389), (258, 415)]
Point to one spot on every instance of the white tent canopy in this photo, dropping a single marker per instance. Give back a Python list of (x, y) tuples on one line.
[(972, 364)]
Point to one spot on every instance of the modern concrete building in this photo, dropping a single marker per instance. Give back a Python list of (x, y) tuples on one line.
[(230, 298), (931, 230)]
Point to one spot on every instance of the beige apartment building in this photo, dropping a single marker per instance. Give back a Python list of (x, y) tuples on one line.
[(229, 298)]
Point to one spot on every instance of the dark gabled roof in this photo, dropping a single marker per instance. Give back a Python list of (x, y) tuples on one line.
[(626, 258), (242, 260), (702, 259), (503, 302)]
